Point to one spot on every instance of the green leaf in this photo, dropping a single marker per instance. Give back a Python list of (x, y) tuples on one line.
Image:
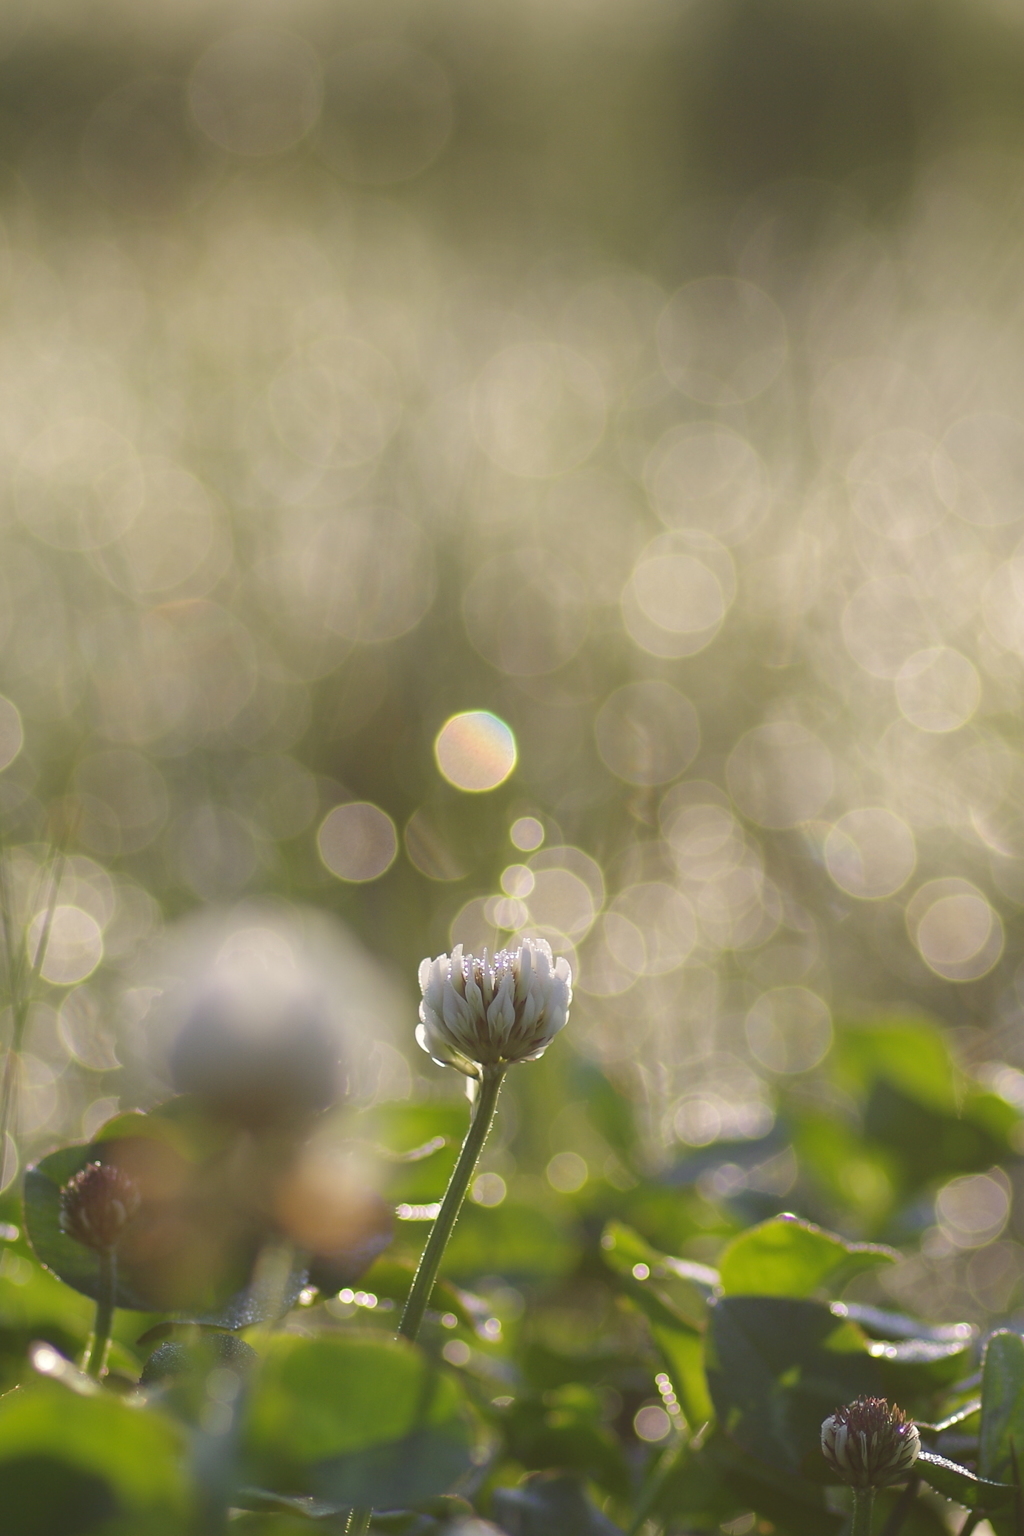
[(705, 1488), (1001, 1435), (564, 1429), (34, 1305), (909, 1052), (545, 1505), (357, 1417), (955, 1482), (882, 1324), (777, 1367), (927, 1144), (912, 1368), (58, 1447), (417, 1145), (517, 1241), (789, 1257), (302, 1505), (683, 1354), (158, 1271), (277, 1524), (669, 1290), (674, 1295)]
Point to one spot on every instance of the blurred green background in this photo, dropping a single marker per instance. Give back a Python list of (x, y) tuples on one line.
[(643, 380)]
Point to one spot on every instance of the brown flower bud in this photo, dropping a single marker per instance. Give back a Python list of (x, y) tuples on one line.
[(869, 1444), (97, 1204)]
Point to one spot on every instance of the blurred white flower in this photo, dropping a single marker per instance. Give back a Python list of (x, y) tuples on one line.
[(479, 1013), (869, 1444)]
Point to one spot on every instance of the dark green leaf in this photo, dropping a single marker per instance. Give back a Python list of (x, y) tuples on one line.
[(925, 1143), (881, 1324), (667, 1289), (917, 1516), (160, 1269), (547, 1505), (915, 1367), (43, 1496), (1001, 1434), (910, 1052), (282, 1522), (261, 1299), (955, 1482), (673, 1295), (789, 1257), (777, 1367), (355, 1417), (296, 1504), (564, 1429), (127, 1461), (717, 1483), (397, 1474)]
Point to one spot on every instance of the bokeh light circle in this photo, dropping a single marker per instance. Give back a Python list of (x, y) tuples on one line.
[(708, 477), (475, 751), (789, 1029), (870, 853), (987, 452), (357, 841), (647, 733), (678, 594), (955, 929), (74, 946), (780, 774), (722, 341), (972, 1210), (938, 689), (526, 833), (525, 613), (538, 409), (12, 734), (257, 91)]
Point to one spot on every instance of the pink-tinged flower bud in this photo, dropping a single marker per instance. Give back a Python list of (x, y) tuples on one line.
[(869, 1444), (479, 1013), (97, 1204)]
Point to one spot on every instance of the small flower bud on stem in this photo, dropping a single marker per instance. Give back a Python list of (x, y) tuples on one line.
[(479, 1015), (868, 1444), (96, 1205)]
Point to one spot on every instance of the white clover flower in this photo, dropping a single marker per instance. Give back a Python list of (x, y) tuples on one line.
[(479, 1013), (869, 1444)]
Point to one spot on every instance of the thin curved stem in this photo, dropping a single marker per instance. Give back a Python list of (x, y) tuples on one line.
[(105, 1304), (437, 1242), (430, 1262)]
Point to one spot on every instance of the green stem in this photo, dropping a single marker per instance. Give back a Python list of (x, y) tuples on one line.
[(105, 1303), (863, 1504), (437, 1242), (426, 1273), (21, 990)]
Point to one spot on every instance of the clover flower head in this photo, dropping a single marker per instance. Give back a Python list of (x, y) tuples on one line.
[(869, 1444), (479, 1012), (97, 1204)]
